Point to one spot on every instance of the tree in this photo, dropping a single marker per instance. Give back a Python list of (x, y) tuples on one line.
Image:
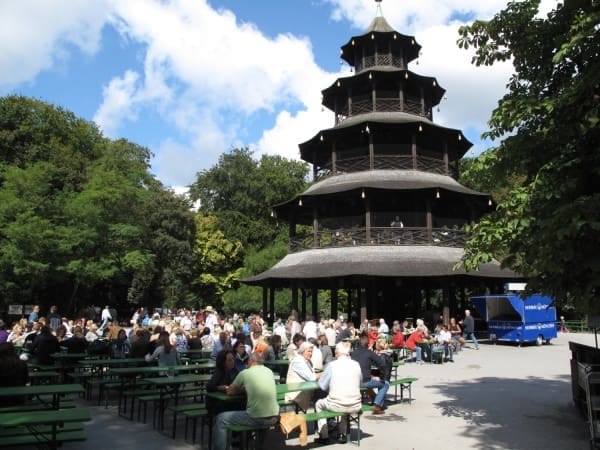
[(82, 221), (240, 192), (547, 227), (218, 261)]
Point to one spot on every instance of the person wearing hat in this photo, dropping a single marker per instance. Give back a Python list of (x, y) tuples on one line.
[(210, 319), (301, 370)]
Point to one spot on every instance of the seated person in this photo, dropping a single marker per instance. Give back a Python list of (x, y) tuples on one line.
[(300, 370), (456, 332), (224, 374), (76, 343), (341, 380), (44, 345), (442, 342), (273, 351), (413, 341), (13, 372), (367, 358), (292, 349), (397, 336), (241, 355), (261, 404), (164, 352)]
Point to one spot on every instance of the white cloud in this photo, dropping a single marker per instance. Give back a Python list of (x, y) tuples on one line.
[(36, 34), (118, 103)]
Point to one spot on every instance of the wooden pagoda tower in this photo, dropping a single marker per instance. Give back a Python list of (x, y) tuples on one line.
[(384, 217)]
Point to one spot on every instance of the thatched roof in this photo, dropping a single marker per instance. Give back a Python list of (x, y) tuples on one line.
[(377, 261)]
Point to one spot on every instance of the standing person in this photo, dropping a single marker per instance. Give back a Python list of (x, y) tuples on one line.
[(106, 317), (367, 358), (384, 329), (261, 405), (54, 319), (210, 320), (341, 379), (34, 315), (469, 328), (310, 328)]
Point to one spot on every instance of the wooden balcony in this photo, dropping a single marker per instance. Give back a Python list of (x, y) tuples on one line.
[(352, 237)]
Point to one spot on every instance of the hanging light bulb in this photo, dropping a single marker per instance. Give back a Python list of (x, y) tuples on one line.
[(406, 75), (395, 36), (370, 76), (272, 213), (420, 127), (352, 41), (372, 36), (367, 129), (490, 201), (363, 195), (437, 193), (321, 138), (434, 83), (300, 202), (459, 137), (338, 83)]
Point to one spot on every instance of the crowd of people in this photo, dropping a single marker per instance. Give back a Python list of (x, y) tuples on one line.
[(240, 345)]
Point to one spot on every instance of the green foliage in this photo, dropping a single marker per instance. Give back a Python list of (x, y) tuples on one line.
[(81, 219), (547, 223), (218, 261), (240, 192)]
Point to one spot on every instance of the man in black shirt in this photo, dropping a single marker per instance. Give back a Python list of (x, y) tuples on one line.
[(366, 358)]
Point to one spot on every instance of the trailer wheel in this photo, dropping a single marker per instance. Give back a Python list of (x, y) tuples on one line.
[(539, 340)]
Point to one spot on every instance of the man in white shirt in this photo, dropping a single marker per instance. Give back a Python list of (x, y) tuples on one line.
[(383, 327), (106, 317), (210, 320), (341, 380)]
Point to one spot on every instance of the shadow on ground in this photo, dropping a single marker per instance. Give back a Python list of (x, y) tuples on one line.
[(519, 414)]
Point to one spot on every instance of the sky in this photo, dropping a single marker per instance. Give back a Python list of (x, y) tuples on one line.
[(191, 79)]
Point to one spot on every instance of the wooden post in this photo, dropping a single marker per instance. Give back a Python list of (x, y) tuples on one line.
[(334, 303), (315, 302), (272, 305), (295, 298), (264, 299)]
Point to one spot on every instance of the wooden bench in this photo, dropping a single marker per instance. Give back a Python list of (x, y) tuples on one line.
[(42, 427), (351, 417), (403, 384)]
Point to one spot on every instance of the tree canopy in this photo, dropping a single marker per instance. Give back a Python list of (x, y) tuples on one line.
[(547, 222), (82, 221), (240, 191)]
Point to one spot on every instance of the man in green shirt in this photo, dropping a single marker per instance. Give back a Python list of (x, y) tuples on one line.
[(262, 410)]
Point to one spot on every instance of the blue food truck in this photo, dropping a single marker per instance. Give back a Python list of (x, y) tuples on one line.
[(514, 319)]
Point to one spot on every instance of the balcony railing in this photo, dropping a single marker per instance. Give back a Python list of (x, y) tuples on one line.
[(379, 60), (411, 105), (383, 162), (354, 237)]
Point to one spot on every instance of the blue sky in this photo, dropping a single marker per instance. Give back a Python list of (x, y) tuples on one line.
[(190, 79)]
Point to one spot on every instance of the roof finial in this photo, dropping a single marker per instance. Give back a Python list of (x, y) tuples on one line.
[(379, 12)]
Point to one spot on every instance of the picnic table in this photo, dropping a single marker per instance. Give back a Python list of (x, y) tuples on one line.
[(40, 427), (169, 387), (55, 390)]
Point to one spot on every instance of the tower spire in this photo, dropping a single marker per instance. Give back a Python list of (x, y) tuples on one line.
[(379, 12)]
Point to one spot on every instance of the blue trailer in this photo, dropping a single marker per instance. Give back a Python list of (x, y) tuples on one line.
[(513, 319)]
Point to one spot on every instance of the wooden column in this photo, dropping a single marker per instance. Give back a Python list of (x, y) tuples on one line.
[(368, 219), (303, 306), (371, 151), (334, 303), (295, 298), (446, 166), (429, 222), (264, 299), (414, 151), (333, 159), (315, 302), (363, 304), (272, 305), (315, 226)]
